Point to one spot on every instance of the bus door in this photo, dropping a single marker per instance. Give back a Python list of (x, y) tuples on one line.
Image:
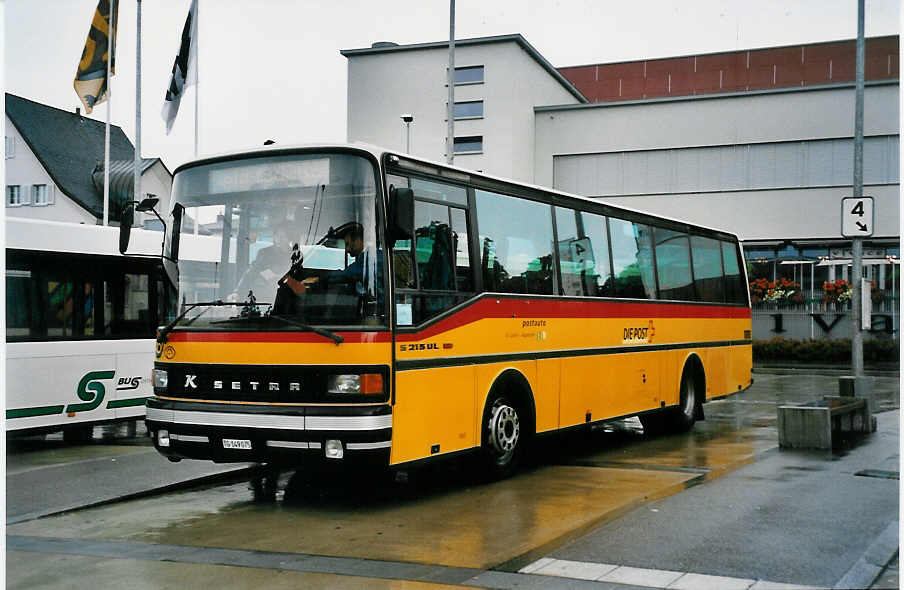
[(432, 273)]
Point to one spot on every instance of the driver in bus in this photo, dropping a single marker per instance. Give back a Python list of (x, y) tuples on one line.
[(352, 235)]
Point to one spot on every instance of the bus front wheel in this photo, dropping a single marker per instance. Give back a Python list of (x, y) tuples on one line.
[(502, 437)]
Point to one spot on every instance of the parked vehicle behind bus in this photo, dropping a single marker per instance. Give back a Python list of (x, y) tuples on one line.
[(80, 325)]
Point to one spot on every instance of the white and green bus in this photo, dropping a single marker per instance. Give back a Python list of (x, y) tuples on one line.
[(80, 324)]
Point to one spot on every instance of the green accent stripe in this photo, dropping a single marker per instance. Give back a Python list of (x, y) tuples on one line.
[(126, 403), (28, 412)]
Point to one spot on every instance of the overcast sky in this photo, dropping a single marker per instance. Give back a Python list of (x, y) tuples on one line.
[(272, 69)]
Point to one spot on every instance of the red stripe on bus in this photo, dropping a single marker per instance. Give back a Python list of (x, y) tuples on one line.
[(306, 337), (545, 309)]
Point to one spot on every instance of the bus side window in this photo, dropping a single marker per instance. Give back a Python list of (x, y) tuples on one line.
[(736, 291), (572, 253), (127, 308), (21, 304), (59, 294), (673, 265), (632, 259), (707, 256), (439, 266), (598, 278), (464, 278), (516, 244), (435, 244), (402, 268)]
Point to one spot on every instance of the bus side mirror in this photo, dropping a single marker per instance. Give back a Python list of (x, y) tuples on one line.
[(401, 213), (126, 217), (178, 212)]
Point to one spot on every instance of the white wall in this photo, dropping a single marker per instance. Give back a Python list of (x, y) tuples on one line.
[(384, 85), (812, 212), (24, 169)]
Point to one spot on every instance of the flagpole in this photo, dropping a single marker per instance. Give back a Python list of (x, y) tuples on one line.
[(137, 186), (197, 42), (110, 37)]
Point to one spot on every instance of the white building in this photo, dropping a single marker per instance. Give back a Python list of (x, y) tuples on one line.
[(499, 81), (54, 166)]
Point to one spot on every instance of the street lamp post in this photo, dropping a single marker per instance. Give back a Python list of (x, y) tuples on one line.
[(407, 118)]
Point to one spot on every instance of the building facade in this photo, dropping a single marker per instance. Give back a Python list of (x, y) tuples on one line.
[(759, 142)]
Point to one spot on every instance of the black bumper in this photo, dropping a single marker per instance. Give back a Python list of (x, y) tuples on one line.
[(277, 434)]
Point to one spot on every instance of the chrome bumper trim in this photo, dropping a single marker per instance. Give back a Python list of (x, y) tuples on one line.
[(370, 445), (288, 444), (240, 420), (189, 438)]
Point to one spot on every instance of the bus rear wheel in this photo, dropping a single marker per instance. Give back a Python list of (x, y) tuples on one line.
[(685, 414), (502, 437), (680, 418)]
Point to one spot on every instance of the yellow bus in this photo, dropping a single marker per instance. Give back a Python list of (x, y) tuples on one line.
[(379, 307)]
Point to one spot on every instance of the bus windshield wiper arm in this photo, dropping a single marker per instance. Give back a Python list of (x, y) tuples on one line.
[(322, 331), (286, 320), (161, 337)]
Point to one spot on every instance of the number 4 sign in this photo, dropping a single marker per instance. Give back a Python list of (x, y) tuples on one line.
[(857, 215)]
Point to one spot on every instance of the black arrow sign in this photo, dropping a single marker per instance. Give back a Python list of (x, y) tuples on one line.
[(861, 226)]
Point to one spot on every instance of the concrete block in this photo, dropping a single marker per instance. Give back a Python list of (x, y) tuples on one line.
[(804, 427), (810, 426)]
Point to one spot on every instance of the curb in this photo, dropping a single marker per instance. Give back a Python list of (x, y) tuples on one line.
[(870, 565), (215, 478)]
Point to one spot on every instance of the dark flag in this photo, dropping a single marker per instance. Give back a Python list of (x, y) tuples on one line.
[(185, 68), (91, 78)]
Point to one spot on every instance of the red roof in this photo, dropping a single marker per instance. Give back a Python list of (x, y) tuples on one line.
[(755, 69)]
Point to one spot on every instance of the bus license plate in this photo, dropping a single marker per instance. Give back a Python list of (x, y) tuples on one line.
[(234, 443)]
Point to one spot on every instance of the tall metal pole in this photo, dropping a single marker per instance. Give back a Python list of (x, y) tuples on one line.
[(450, 80), (197, 43), (857, 246), (110, 54), (407, 137), (137, 191)]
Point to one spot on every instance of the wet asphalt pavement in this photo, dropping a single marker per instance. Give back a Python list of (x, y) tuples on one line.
[(722, 500)]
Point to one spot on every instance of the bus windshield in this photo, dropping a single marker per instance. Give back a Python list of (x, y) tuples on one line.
[(296, 234)]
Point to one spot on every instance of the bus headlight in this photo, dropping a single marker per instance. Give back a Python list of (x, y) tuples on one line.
[(160, 378), (355, 384)]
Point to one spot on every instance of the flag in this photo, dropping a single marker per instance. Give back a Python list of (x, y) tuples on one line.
[(91, 77), (185, 68)]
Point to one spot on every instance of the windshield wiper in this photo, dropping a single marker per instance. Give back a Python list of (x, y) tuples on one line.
[(162, 335), (286, 320), (322, 331)]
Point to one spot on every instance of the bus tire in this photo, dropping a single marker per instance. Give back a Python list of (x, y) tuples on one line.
[(684, 416), (503, 436)]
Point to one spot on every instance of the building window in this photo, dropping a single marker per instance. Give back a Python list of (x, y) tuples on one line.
[(10, 143), (13, 195), (468, 110), (469, 75), (469, 145), (41, 195)]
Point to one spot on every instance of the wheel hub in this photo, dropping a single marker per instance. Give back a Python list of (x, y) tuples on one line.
[(505, 428)]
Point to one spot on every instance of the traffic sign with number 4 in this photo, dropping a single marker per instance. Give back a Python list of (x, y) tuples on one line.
[(857, 216)]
